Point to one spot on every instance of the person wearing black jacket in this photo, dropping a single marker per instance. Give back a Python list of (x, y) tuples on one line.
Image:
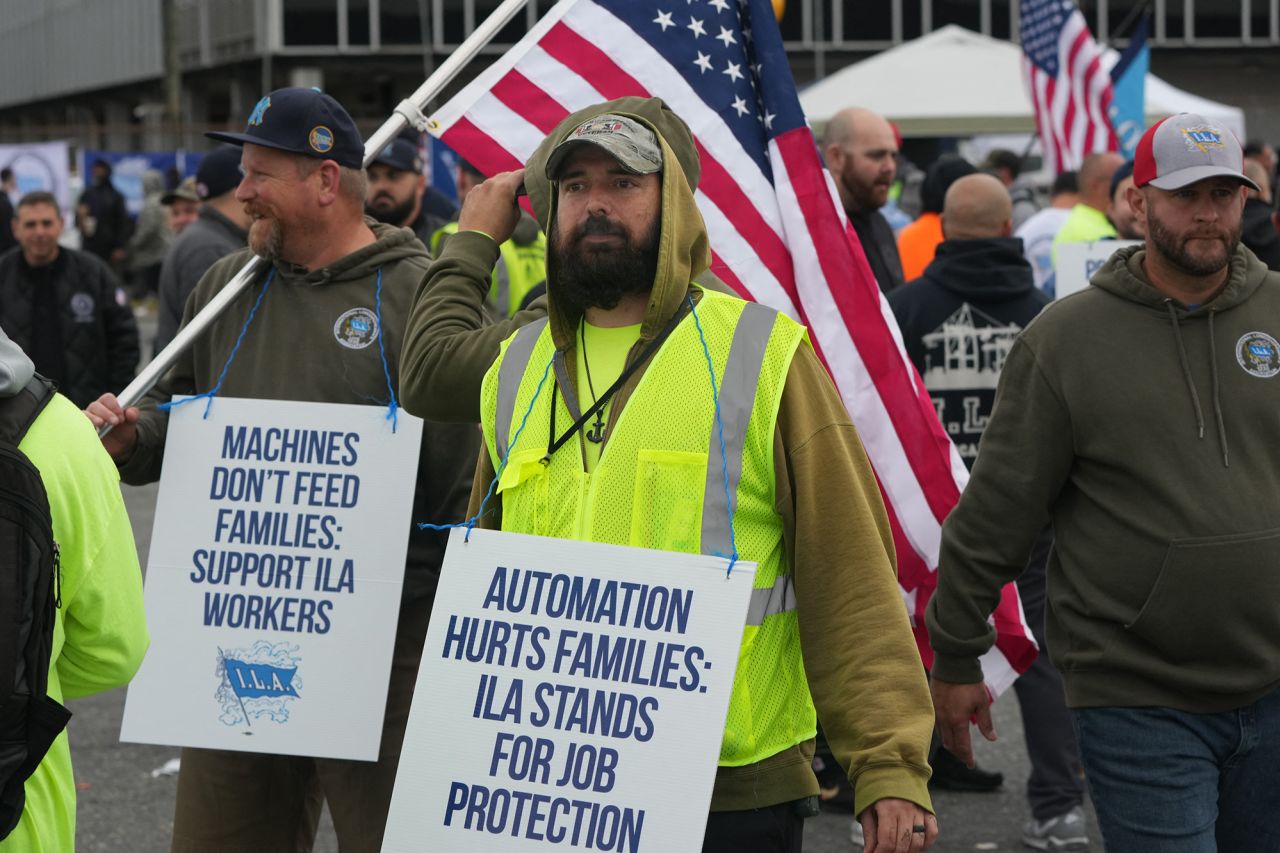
[(860, 152), (1258, 229), (65, 308), (7, 185), (102, 217), (958, 322)]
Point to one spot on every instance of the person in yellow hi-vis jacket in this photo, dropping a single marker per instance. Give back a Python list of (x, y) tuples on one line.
[(520, 274), (623, 445)]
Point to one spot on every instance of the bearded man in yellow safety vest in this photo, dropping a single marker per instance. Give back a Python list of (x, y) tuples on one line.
[(637, 459)]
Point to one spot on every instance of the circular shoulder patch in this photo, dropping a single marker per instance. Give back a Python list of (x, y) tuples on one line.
[(1259, 354), (321, 139), (356, 329), (82, 307)]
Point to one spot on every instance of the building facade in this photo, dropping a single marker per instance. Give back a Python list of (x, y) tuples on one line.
[(93, 71)]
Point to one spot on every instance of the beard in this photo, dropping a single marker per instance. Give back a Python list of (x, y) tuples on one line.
[(864, 197), (586, 277), (390, 213), (1174, 248), (266, 238)]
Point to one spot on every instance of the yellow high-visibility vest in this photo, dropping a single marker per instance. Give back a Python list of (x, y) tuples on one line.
[(660, 482), (520, 268)]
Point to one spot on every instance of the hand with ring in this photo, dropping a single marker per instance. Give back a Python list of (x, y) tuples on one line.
[(897, 826)]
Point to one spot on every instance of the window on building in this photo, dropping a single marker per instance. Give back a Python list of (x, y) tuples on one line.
[(309, 23), (965, 13), (358, 22), (400, 20)]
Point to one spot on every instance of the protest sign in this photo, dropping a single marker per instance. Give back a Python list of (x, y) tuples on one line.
[(571, 694), (1077, 262), (273, 583)]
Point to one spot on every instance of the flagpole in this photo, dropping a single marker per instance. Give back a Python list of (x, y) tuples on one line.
[(409, 111)]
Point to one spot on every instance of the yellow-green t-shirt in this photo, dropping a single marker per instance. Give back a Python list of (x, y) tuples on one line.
[(604, 350)]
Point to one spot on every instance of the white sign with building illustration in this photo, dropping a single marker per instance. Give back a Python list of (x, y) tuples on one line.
[(963, 359)]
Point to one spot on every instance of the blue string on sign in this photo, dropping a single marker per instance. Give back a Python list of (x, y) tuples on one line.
[(724, 455), (393, 407), (208, 396), (470, 523)]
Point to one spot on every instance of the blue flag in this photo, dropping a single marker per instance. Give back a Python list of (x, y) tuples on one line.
[(1128, 85), (255, 680)]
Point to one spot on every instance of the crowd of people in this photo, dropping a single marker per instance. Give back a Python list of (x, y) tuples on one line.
[(1141, 548)]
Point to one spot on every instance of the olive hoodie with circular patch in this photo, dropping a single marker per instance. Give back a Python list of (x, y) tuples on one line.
[(1145, 431)]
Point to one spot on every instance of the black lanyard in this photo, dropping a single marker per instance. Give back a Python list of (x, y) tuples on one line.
[(553, 443)]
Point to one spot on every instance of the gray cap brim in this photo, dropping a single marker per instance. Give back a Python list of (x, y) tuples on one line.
[(618, 150), (1184, 177)]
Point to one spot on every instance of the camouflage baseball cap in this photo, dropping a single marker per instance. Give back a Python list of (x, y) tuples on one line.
[(632, 144)]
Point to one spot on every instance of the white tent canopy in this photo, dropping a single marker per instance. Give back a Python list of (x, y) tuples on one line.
[(955, 82)]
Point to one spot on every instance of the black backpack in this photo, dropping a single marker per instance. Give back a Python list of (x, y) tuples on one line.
[(29, 596)]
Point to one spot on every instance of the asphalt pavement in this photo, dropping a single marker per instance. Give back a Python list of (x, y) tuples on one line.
[(126, 797)]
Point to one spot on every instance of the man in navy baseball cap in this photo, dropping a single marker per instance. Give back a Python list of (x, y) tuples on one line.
[(322, 322), (302, 121), (302, 157)]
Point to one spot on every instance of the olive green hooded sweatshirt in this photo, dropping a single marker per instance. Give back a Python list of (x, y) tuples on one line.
[(291, 351), (860, 659), (1145, 430)]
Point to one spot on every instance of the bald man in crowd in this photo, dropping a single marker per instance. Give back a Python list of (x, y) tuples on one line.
[(1088, 219), (1119, 212), (980, 291), (1259, 232), (861, 152)]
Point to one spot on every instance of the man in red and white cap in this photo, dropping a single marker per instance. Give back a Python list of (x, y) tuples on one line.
[(1139, 418)]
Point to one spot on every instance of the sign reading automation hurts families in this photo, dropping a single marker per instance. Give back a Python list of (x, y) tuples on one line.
[(274, 578), (571, 695)]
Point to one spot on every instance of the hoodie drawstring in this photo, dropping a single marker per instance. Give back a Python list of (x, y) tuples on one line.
[(1186, 368), (1217, 402), (1191, 386)]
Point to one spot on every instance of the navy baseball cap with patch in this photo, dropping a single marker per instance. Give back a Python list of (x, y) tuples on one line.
[(401, 153), (302, 121), (219, 172)]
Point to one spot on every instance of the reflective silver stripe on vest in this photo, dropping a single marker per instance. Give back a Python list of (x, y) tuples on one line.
[(566, 387), (779, 598), (502, 296), (737, 399), (514, 363)]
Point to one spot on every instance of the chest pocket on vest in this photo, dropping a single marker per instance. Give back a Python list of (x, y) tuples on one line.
[(666, 512), (524, 487)]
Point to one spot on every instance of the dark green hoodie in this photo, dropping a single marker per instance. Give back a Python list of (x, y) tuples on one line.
[(1146, 431)]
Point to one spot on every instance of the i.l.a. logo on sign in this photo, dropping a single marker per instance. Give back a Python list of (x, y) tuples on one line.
[(257, 683)]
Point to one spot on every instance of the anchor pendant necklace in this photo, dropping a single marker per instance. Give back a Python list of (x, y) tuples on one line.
[(596, 434)]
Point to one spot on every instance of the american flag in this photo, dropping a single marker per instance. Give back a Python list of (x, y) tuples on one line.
[(777, 230), (1068, 85)]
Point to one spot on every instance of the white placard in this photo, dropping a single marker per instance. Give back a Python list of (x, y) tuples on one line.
[(1077, 262), (571, 695), (40, 166), (273, 583)]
